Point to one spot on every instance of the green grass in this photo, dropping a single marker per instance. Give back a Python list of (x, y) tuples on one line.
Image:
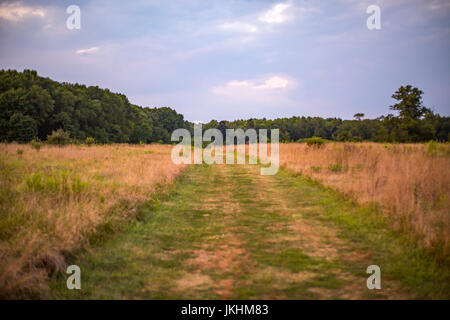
[(227, 232), (397, 253)]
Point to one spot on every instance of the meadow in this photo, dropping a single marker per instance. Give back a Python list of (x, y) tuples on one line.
[(77, 202), (407, 183), (57, 200)]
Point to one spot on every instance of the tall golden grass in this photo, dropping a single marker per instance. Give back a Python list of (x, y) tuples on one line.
[(52, 201), (409, 182)]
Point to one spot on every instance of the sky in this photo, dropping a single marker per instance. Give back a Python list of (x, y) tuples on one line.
[(230, 59)]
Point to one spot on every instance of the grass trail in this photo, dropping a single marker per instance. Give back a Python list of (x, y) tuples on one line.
[(226, 232)]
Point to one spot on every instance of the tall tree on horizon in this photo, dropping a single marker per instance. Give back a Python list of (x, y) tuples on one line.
[(410, 108)]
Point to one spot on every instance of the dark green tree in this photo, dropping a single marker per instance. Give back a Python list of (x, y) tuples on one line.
[(22, 128), (408, 125)]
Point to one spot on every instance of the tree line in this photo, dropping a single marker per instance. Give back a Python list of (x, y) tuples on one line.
[(412, 123), (33, 107)]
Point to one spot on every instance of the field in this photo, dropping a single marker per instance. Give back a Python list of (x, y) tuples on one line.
[(141, 227), (54, 201), (409, 183)]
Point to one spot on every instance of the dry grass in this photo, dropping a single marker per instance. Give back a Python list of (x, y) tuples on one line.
[(52, 201), (410, 182)]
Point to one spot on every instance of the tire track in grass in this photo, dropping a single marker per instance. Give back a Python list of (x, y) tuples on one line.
[(227, 232)]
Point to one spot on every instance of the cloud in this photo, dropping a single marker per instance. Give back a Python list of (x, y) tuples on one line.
[(243, 98), (239, 27), (87, 51), (277, 14), (257, 22), (438, 5), (274, 83), (16, 11)]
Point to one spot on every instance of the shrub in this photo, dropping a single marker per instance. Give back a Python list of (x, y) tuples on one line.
[(432, 147), (335, 167), (34, 182), (19, 152), (315, 142), (78, 186), (56, 183), (59, 137), (36, 144), (89, 141)]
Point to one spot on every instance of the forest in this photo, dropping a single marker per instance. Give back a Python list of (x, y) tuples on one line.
[(34, 107)]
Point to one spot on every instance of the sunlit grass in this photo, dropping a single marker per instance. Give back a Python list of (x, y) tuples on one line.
[(410, 183), (55, 200)]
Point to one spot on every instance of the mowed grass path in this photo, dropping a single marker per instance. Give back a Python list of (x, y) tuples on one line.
[(226, 232)]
